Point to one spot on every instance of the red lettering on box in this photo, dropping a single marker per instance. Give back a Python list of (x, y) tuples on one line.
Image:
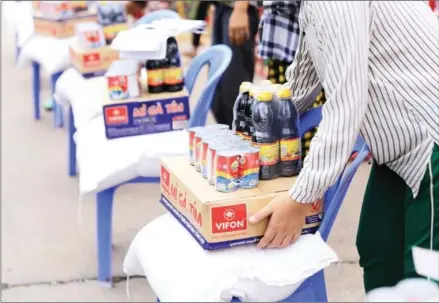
[(229, 218), (91, 60), (116, 115), (165, 179)]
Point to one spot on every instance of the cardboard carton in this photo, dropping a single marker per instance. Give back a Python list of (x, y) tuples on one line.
[(220, 220), (60, 28), (147, 114), (93, 61)]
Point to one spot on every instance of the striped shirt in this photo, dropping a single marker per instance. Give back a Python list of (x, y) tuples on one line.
[(378, 62)]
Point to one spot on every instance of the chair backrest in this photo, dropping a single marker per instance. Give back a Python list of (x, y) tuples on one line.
[(218, 58), (337, 192), (157, 15), (310, 120)]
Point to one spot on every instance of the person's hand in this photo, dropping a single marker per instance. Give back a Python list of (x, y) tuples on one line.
[(286, 221), (238, 24)]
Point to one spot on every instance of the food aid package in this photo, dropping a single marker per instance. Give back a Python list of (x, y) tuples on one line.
[(148, 41), (179, 270), (106, 163)]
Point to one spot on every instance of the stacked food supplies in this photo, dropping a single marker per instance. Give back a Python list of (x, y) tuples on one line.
[(58, 18), (205, 194), (263, 145), (133, 110)]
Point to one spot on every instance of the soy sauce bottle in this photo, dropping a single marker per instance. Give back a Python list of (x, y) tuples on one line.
[(265, 136), (173, 73), (289, 144), (155, 73), (248, 115), (239, 121)]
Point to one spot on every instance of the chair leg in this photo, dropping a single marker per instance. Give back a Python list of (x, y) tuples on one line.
[(36, 89), (57, 110), (71, 144), (104, 209), (320, 287)]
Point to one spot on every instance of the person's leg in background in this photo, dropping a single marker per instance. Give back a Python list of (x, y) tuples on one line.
[(380, 238), (242, 66), (200, 14), (392, 222), (422, 215)]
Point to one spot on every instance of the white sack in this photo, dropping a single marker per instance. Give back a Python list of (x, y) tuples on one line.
[(179, 270), (51, 53), (105, 163)]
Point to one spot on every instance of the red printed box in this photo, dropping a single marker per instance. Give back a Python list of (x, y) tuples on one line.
[(92, 61), (146, 114), (220, 220)]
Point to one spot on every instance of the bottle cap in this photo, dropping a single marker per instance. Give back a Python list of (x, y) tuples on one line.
[(245, 87), (284, 93), (265, 82), (253, 90), (264, 96), (277, 87)]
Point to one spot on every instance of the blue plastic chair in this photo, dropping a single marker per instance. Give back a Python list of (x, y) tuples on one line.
[(313, 289), (157, 15), (218, 58)]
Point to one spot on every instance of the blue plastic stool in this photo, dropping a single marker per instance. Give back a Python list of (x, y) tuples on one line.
[(36, 74), (218, 58)]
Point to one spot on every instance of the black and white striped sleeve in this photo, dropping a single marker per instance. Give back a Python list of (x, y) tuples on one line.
[(341, 31), (306, 86)]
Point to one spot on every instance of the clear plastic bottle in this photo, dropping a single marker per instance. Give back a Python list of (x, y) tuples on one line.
[(265, 135)]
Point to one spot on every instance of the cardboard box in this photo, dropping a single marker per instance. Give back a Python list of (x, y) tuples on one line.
[(147, 114), (60, 28), (220, 220), (94, 61)]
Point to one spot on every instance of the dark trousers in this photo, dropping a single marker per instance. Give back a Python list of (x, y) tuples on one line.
[(201, 14), (392, 222), (242, 66)]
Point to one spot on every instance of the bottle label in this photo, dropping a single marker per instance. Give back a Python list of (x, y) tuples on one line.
[(290, 149), (268, 153), (173, 75), (155, 77)]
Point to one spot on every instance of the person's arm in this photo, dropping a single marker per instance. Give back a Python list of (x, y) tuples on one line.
[(239, 29), (307, 85), (342, 31)]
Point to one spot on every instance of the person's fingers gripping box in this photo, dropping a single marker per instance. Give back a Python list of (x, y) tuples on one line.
[(220, 220)]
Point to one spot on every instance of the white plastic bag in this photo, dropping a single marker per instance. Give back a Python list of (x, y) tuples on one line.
[(179, 270)]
